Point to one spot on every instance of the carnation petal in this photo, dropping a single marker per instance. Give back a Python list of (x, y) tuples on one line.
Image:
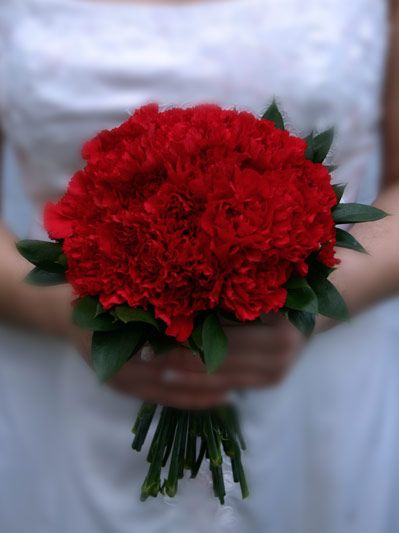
[(180, 327), (57, 223)]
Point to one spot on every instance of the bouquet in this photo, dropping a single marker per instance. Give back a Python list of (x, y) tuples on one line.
[(178, 219)]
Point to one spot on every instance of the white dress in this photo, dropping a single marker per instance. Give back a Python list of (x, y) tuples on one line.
[(323, 447)]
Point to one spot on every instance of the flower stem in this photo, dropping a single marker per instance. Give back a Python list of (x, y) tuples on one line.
[(142, 425), (172, 480), (175, 442), (191, 446), (152, 483)]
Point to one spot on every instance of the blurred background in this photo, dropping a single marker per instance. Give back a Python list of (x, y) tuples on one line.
[(323, 445), (16, 211)]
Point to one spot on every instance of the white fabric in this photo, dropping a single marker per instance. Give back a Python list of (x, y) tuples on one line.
[(323, 446)]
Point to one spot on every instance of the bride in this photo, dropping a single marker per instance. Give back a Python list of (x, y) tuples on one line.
[(323, 444)]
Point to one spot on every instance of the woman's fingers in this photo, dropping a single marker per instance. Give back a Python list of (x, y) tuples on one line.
[(170, 379), (266, 339), (259, 355), (171, 372), (164, 386), (182, 398)]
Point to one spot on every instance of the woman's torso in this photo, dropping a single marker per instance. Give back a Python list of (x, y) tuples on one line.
[(72, 67)]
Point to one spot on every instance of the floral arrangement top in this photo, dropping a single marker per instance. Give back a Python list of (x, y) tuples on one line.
[(199, 208), (180, 217)]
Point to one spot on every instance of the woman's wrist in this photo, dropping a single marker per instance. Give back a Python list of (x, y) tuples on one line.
[(365, 279), (43, 309)]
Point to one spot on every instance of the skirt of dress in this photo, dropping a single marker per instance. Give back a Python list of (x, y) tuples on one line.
[(322, 447)]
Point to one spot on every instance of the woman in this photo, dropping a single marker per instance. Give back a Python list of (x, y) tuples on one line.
[(71, 67)]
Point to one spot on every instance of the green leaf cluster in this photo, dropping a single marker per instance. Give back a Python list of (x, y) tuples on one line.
[(117, 334), (49, 260), (307, 297), (352, 213), (318, 146), (209, 340)]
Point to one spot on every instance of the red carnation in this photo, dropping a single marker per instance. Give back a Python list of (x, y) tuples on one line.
[(194, 209)]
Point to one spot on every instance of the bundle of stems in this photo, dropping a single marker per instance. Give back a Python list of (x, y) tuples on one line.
[(183, 440)]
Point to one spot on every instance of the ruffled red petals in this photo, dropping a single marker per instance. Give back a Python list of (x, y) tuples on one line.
[(193, 209)]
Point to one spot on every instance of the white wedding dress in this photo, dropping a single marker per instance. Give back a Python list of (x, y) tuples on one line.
[(323, 447)]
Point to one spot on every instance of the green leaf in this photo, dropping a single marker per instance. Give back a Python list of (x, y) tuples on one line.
[(162, 343), (331, 303), (62, 260), (214, 343), (196, 336), (86, 317), (300, 296), (303, 321), (346, 240), (339, 191), (46, 255), (309, 153), (49, 266), (39, 251), (354, 213), (228, 316), (99, 309), (322, 145), (318, 269), (273, 113), (129, 314), (296, 282), (40, 277), (111, 350), (192, 346)]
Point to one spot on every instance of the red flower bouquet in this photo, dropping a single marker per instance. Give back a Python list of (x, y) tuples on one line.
[(177, 219)]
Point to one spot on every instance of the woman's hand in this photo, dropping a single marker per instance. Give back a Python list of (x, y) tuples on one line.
[(258, 356)]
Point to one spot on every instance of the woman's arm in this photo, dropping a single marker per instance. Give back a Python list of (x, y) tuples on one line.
[(391, 103), (366, 279), (46, 309)]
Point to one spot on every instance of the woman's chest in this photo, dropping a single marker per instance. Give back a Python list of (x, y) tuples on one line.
[(83, 66)]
